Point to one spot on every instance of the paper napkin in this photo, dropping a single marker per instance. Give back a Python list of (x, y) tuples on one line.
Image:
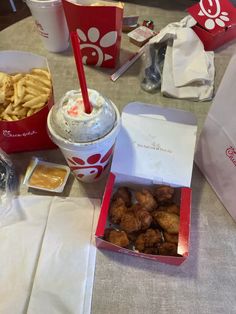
[(188, 70), (48, 258)]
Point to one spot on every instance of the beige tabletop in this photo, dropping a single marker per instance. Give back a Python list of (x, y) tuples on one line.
[(206, 282)]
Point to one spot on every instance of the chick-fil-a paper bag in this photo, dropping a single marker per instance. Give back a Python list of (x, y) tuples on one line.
[(99, 27), (216, 22), (216, 149)]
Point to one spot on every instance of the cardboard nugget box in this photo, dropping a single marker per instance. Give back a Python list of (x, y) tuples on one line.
[(155, 146), (216, 22), (28, 133)]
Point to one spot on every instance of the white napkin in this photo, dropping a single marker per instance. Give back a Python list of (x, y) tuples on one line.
[(47, 260), (20, 244), (188, 70)]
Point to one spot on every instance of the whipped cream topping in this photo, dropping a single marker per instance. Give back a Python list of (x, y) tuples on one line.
[(71, 122)]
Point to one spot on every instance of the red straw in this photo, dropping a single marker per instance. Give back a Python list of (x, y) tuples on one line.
[(80, 71)]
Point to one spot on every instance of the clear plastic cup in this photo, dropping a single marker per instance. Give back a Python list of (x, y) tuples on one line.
[(51, 23), (87, 160)]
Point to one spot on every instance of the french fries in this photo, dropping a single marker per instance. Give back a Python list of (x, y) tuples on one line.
[(23, 94)]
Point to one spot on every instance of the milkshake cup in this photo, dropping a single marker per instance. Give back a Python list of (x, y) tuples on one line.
[(86, 140), (51, 23)]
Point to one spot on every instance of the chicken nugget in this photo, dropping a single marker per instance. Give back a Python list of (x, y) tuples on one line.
[(150, 239), (167, 221), (117, 210), (173, 238), (164, 194), (117, 237), (168, 248), (124, 193), (143, 215), (173, 209), (140, 242), (133, 236), (146, 199), (130, 223), (153, 237)]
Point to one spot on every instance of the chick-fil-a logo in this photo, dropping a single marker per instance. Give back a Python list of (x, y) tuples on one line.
[(231, 154), (8, 133), (93, 45), (41, 29), (214, 13)]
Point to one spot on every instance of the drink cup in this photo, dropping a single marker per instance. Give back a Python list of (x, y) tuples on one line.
[(51, 23), (87, 160)]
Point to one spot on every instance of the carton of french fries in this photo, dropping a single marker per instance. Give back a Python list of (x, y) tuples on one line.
[(26, 96)]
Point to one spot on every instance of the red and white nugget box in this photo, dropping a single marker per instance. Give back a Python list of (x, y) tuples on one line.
[(155, 146), (29, 133), (216, 22)]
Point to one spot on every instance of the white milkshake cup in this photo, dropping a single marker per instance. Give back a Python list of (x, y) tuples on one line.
[(87, 160), (51, 23)]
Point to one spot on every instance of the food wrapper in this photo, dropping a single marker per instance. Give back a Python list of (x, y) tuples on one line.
[(99, 27)]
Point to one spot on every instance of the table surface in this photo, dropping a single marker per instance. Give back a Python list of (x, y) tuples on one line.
[(206, 281)]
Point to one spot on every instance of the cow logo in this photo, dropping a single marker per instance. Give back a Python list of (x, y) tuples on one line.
[(92, 44)]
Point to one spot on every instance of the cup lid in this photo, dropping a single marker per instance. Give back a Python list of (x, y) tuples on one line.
[(44, 3), (71, 122)]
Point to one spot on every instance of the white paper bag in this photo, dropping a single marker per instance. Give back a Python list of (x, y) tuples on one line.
[(216, 150)]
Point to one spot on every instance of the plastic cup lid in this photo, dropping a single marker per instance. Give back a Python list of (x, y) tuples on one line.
[(44, 3)]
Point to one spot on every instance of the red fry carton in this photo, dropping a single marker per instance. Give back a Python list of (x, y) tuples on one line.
[(99, 27), (155, 146), (29, 133), (216, 22)]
